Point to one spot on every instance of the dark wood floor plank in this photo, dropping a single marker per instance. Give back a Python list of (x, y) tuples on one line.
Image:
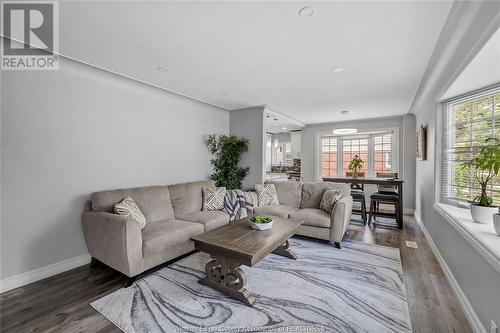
[(61, 303)]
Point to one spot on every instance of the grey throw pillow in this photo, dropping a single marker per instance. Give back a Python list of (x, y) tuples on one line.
[(213, 198), (329, 199), (266, 194), (127, 207)]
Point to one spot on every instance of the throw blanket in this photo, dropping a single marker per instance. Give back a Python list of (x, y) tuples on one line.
[(239, 204)]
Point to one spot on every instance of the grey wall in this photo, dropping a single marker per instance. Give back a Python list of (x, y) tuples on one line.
[(469, 26), (67, 133), (406, 126), (249, 123)]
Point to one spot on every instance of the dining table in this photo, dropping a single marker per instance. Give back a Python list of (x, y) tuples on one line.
[(396, 182)]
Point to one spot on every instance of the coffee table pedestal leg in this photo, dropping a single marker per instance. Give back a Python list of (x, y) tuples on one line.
[(284, 250), (227, 277)]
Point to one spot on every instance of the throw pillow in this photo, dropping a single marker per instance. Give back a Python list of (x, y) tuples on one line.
[(329, 199), (213, 198), (266, 194), (127, 207)]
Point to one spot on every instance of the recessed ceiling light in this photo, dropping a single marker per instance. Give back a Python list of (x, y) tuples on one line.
[(338, 69), (345, 131), (162, 68), (306, 12), (224, 94), (284, 128), (344, 112)]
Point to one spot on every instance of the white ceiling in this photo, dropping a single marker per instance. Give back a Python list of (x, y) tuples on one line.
[(482, 71), (240, 54)]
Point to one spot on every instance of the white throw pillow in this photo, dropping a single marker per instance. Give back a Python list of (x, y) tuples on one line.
[(266, 194), (329, 199), (213, 198), (127, 207)]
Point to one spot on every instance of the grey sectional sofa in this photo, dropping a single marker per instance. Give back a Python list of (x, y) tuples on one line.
[(302, 200), (174, 214)]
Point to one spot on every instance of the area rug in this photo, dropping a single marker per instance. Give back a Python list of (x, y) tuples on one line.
[(359, 288)]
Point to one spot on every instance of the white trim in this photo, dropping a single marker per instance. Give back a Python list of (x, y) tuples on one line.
[(470, 237), (470, 314), (22, 279), (408, 211)]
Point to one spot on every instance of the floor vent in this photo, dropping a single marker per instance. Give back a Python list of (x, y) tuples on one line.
[(412, 244)]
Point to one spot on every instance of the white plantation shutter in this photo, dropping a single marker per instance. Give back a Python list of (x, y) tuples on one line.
[(467, 122)]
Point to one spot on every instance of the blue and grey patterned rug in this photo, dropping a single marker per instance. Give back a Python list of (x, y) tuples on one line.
[(357, 289)]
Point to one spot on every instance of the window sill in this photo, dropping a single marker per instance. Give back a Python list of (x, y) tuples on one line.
[(481, 236)]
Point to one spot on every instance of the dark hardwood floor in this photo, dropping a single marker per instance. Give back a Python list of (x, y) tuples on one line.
[(61, 303)]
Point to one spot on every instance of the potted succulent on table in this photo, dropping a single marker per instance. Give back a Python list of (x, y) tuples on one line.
[(484, 167), (355, 165)]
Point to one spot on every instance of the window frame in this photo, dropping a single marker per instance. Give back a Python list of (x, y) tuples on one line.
[(395, 138), (442, 108)]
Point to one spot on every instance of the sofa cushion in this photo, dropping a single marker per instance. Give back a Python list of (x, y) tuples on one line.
[(266, 194), (289, 193), (153, 201), (209, 219), (275, 210), (312, 216), (127, 207), (330, 198), (213, 198), (159, 236), (187, 197), (313, 192)]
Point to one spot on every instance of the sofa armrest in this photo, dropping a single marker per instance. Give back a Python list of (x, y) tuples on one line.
[(340, 218), (115, 240)]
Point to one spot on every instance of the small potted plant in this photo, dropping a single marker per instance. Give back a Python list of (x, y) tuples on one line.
[(485, 166), (355, 165)]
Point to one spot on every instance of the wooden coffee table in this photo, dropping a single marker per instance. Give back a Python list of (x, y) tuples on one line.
[(236, 244)]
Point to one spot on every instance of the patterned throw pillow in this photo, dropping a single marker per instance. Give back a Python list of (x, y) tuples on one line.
[(127, 207), (213, 198), (266, 194), (330, 198)]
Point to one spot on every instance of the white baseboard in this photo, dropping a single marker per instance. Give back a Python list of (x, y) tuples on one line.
[(22, 279), (470, 314), (408, 211)]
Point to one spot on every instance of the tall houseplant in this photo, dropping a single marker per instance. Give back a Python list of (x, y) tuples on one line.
[(355, 165), (227, 151), (484, 167)]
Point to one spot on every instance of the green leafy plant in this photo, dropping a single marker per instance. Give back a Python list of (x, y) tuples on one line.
[(485, 166), (356, 164), (261, 219), (228, 151)]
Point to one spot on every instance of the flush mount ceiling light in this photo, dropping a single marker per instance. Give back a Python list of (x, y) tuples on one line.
[(345, 130), (306, 12), (338, 69)]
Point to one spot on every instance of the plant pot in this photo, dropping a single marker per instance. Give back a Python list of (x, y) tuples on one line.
[(354, 174), (483, 214), (496, 223)]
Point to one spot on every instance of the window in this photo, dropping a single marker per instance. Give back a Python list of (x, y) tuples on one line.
[(376, 150), (467, 122), (328, 156), (351, 147), (382, 153)]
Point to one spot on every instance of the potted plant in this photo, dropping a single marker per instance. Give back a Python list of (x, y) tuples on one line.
[(496, 223), (355, 165), (484, 166), (227, 150)]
